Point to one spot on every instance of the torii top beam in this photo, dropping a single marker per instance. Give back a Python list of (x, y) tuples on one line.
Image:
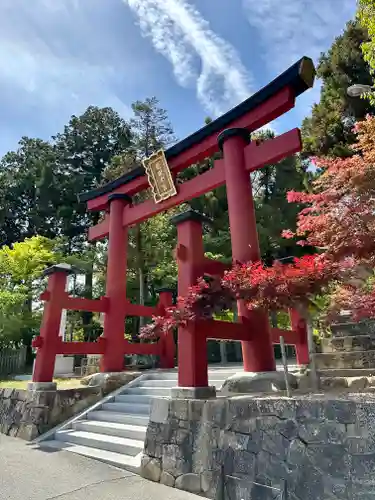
[(267, 104)]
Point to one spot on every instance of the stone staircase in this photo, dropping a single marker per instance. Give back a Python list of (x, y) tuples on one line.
[(349, 352), (113, 430)]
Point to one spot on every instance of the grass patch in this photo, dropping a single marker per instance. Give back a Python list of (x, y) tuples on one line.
[(62, 383)]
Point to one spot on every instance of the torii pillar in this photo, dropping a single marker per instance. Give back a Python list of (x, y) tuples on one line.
[(114, 319), (257, 353)]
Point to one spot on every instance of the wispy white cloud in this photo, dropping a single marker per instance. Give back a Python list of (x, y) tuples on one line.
[(289, 29), (57, 57), (198, 56)]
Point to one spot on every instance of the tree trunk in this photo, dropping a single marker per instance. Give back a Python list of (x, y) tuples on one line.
[(141, 275), (223, 353), (87, 315), (142, 294), (27, 337), (89, 277), (238, 350)]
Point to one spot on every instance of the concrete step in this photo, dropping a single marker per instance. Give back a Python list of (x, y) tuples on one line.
[(121, 418), (159, 383), (151, 391), (349, 360), (101, 441), (173, 383), (218, 374), (163, 375), (139, 399), (348, 343), (143, 399), (137, 432), (132, 408), (130, 463)]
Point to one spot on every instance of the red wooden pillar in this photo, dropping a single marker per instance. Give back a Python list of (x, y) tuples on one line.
[(299, 325), (192, 345), (46, 343), (168, 345), (258, 355), (114, 318)]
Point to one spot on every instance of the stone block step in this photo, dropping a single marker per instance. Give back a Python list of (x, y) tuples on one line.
[(348, 343), (162, 375), (119, 460), (218, 374), (101, 441), (349, 360), (137, 432), (353, 328), (152, 391), (172, 383), (121, 418), (137, 409), (157, 383), (143, 399)]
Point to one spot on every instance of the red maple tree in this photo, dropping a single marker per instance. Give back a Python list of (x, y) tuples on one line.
[(280, 286), (338, 219)]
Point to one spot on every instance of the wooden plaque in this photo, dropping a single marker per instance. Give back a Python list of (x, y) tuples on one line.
[(159, 176)]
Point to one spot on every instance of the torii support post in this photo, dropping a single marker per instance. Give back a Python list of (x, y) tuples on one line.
[(258, 355), (114, 318), (192, 347), (168, 347), (48, 340)]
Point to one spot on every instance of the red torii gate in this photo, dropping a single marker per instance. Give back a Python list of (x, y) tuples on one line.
[(240, 157)]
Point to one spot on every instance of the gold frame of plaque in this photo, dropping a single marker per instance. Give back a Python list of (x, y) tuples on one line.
[(159, 176)]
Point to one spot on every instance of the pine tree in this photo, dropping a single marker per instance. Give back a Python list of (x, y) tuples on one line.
[(85, 149), (151, 131), (329, 129)]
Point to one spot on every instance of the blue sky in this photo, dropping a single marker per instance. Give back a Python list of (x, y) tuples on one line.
[(199, 57)]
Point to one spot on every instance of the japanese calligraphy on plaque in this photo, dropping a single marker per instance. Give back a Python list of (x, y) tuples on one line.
[(159, 176)]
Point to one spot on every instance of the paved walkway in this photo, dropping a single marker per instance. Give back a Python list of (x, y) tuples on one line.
[(27, 473)]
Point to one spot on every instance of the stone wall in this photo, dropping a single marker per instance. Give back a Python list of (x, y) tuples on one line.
[(28, 414), (251, 448)]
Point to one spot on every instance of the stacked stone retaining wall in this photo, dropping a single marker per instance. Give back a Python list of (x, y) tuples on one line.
[(28, 414), (252, 448)]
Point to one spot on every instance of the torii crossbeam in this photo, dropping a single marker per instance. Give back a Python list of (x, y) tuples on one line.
[(230, 133)]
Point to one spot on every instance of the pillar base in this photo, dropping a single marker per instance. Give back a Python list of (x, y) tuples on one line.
[(42, 386), (193, 392)]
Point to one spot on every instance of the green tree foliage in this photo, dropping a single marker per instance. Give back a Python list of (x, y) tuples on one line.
[(273, 212), (329, 129), (85, 148), (366, 18), (29, 192), (151, 130), (213, 204), (12, 319), (150, 127), (23, 262), (21, 267)]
